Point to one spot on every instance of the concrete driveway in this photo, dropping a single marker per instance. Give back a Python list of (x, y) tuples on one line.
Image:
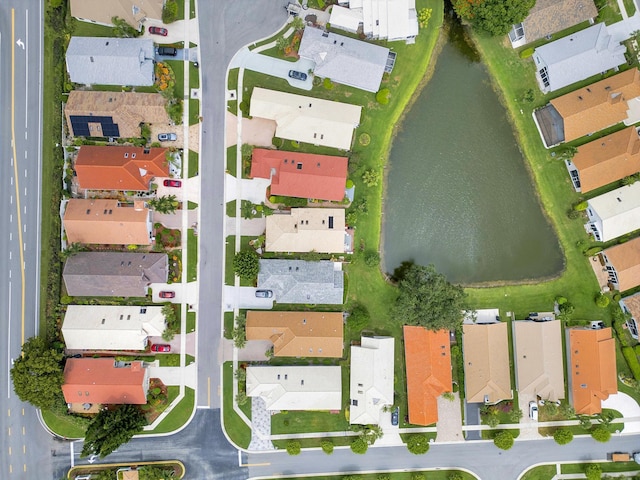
[(174, 220), (188, 294), (529, 428), (244, 297), (189, 188), (254, 189), (472, 417), (175, 31), (628, 407), (275, 67)]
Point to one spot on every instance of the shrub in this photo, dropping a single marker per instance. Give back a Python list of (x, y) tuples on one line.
[(600, 434), (526, 53), (503, 440), (573, 214), (579, 207), (293, 447), (170, 11), (327, 446), (358, 317), (246, 264), (424, 14), (418, 443), (562, 436), (359, 446), (418, 476), (326, 83), (593, 471), (590, 252), (244, 108), (455, 476), (382, 97), (349, 183), (371, 258), (602, 300), (632, 360), (371, 178)]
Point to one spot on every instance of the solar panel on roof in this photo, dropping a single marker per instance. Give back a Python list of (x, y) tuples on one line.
[(80, 125)]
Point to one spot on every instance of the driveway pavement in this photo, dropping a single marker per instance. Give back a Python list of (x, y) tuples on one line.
[(275, 67), (253, 227), (189, 189), (175, 30), (190, 343), (174, 220), (449, 426), (187, 295), (174, 375), (628, 407), (472, 417), (254, 190), (244, 297), (258, 132), (529, 428)]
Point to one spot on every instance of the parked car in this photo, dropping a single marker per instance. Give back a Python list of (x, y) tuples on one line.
[(395, 416), (158, 31), (264, 294), (167, 137), (168, 51), (297, 75), (167, 294), (172, 183), (533, 411), (160, 348)]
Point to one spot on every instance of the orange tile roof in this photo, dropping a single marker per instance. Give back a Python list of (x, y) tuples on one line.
[(428, 364), (105, 221), (99, 380), (625, 257), (598, 105), (592, 367), (120, 167), (302, 175)]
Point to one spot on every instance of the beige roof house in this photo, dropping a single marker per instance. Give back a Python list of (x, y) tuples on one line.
[(307, 119), (298, 334), (134, 12), (111, 327), (538, 359), (622, 262), (106, 221), (307, 229), (371, 383), (486, 363), (296, 388)]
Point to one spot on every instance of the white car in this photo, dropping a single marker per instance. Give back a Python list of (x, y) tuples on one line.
[(533, 411)]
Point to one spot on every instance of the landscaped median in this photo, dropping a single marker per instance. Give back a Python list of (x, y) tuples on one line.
[(549, 471), (170, 469)]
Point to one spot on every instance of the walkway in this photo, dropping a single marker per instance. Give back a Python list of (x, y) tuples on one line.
[(260, 426)]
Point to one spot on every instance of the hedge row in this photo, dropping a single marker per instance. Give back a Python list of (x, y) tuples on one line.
[(632, 360)]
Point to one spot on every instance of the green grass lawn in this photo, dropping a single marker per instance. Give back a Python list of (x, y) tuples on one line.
[(300, 422), (606, 467), (228, 324), (173, 359), (430, 474), (630, 7), (192, 254), (194, 76), (235, 427), (193, 163), (232, 161), (178, 70), (230, 209), (180, 15), (179, 415), (191, 322), (194, 111), (543, 472), (230, 251), (88, 29), (63, 425)]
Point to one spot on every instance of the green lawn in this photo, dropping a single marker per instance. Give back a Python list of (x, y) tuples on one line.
[(230, 251), (232, 161), (88, 29), (64, 425), (194, 111), (228, 324), (194, 76), (191, 322), (543, 472), (231, 209), (630, 7), (193, 163), (173, 359), (608, 11), (192, 253), (180, 15), (178, 70), (430, 474), (179, 415), (300, 422), (606, 467), (238, 431)]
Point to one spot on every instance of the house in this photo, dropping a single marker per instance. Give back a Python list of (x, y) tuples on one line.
[(371, 382), (296, 388), (113, 114), (590, 109), (550, 16), (319, 230), (486, 362), (307, 119), (301, 175), (592, 365), (106, 221), (111, 61), (378, 19), (299, 281), (605, 160), (622, 263), (298, 334), (111, 327), (113, 274), (104, 381), (631, 307), (428, 364), (614, 213), (538, 359), (134, 12), (123, 168), (346, 60)]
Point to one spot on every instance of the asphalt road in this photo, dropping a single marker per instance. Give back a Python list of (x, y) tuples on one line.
[(24, 447)]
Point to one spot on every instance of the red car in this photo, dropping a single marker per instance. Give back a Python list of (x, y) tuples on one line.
[(172, 183), (158, 31), (161, 348), (167, 294)]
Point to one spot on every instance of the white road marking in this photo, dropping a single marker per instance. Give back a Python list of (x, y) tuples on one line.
[(9, 345), (26, 81), (25, 191), (11, 218), (25, 170), (10, 254), (11, 200), (24, 228)]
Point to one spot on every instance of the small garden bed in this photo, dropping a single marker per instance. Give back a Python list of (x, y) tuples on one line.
[(166, 238)]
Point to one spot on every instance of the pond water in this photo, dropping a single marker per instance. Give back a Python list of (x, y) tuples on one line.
[(458, 194)]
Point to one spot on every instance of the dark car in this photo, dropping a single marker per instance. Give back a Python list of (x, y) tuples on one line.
[(161, 348), (297, 75), (168, 51), (395, 416), (167, 294), (264, 293), (158, 31), (167, 137), (172, 183)]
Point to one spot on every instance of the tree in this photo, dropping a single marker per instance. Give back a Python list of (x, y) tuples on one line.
[(455, 476), (358, 317), (37, 374), (503, 440), (515, 415), (562, 436), (593, 471), (239, 333), (172, 322), (428, 299), (106, 475), (164, 204), (371, 258), (602, 300), (360, 445), (123, 29), (281, 43), (293, 447), (371, 178), (170, 11), (496, 17), (383, 95), (155, 472), (246, 264), (327, 446), (424, 14), (418, 476), (418, 443), (112, 428), (297, 23), (601, 434)]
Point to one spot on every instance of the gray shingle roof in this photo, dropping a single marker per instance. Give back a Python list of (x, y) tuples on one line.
[(111, 61), (298, 281), (114, 274)]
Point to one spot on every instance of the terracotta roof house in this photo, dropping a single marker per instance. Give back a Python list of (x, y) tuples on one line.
[(111, 327), (114, 274), (590, 109), (592, 364), (486, 363), (301, 175), (346, 60), (371, 381), (614, 213), (298, 334), (111, 61), (605, 160), (105, 381), (120, 167), (106, 221), (307, 229), (538, 358), (631, 306), (378, 19), (428, 364), (113, 114), (307, 119), (134, 12), (296, 388), (550, 16), (623, 265), (299, 281)]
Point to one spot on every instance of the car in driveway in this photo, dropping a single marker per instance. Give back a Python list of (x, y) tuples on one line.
[(167, 51), (167, 137), (167, 294), (172, 183), (264, 294), (160, 348), (395, 416), (533, 410), (158, 31), (296, 75)]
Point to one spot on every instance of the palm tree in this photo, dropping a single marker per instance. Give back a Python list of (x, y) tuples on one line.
[(164, 204)]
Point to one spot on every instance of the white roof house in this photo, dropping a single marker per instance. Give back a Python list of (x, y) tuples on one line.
[(614, 213), (371, 384), (576, 57), (307, 119), (106, 327), (307, 229), (296, 388), (344, 60), (383, 19)]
